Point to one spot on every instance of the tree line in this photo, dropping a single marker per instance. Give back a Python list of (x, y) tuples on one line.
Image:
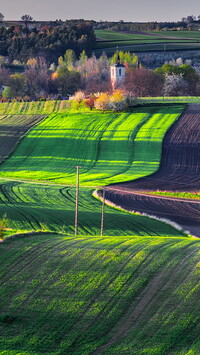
[(91, 75)]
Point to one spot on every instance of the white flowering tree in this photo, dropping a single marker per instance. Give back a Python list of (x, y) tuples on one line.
[(175, 85)]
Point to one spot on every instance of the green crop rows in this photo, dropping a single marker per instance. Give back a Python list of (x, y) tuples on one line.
[(110, 147), (116, 295), (149, 41), (62, 294), (106, 35), (42, 207)]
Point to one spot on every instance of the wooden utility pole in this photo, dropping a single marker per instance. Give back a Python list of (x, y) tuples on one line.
[(102, 212), (77, 197)]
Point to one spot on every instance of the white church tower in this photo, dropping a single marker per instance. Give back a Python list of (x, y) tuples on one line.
[(117, 74)]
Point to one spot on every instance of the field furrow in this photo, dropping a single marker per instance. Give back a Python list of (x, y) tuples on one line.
[(179, 172), (29, 206), (12, 129), (110, 147), (99, 295)]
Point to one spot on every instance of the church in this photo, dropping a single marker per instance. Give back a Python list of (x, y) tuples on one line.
[(117, 74)]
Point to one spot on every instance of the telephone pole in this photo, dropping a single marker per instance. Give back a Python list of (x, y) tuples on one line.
[(102, 212), (77, 197)]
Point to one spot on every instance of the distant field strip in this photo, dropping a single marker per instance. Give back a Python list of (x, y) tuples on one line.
[(12, 129), (106, 35), (99, 295), (146, 41), (34, 107), (43, 207), (110, 147)]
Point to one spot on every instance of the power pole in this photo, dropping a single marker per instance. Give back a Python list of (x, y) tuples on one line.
[(102, 212), (77, 197)]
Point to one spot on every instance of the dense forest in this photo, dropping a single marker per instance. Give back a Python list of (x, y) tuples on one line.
[(22, 42)]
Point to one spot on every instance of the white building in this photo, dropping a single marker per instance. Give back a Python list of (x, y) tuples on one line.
[(117, 74)]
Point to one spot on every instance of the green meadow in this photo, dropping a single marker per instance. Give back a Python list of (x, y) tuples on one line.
[(99, 295), (134, 290), (110, 147), (35, 207), (108, 40), (109, 35)]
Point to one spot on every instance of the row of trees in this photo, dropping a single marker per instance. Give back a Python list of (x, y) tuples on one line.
[(25, 18), (190, 19), (139, 26), (92, 75)]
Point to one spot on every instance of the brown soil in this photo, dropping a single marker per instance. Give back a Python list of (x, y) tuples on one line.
[(179, 171)]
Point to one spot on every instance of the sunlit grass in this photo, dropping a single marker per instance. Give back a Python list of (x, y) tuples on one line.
[(110, 147), (63, 295), (52, 208)]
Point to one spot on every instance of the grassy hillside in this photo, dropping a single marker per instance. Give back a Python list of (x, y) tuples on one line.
[(146, 41), (34, 107), (36, 207), (110, 147), (109, 295), (107, 35)]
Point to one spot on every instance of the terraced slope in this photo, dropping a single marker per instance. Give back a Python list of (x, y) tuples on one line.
[(35, 207), (116, 295), (179, 171), (12, 129), (110, 147)]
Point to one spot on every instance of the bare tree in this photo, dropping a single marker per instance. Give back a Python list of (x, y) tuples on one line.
[(1, 17), (143, 82), (26, 19)]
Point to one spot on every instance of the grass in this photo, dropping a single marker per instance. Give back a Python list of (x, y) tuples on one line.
[(194, 35), (145, 47), (60, 295), (149, 41), (106, 35), (34, 107), (114, 295), (187, 195), (169, 99), (30, 206), (110, 147)]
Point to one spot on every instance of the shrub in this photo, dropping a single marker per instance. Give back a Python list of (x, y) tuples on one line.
[(118, 101), (102, 102), (3, 225), (78, 96), (90, 102)]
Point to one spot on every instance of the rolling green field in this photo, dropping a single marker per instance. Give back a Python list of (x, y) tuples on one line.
[(149, 41), (169, 99), (194, 35), (133, 291), (99, 295), (30, 206), (34, 107), (108, 35), (110, 147)]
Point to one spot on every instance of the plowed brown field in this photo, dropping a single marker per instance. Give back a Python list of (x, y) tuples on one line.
[(179, 171), (12, 129)]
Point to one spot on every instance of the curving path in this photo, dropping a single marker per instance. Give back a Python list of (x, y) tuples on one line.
[(179, 171)]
